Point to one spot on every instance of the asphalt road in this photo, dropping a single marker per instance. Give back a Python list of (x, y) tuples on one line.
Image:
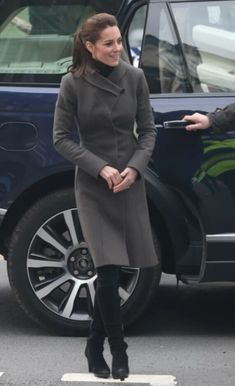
[(188, 332)]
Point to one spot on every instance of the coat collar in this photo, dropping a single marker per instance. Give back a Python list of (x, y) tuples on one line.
[(110, 83)]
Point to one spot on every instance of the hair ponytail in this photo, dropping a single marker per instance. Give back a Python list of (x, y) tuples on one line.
[(82, 61), (81, 56)]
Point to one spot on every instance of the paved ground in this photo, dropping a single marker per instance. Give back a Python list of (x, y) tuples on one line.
[(187, 333)]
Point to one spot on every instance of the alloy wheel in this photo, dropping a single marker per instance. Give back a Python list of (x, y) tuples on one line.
[(61, 271)]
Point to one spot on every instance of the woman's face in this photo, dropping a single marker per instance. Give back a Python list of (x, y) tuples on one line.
[(107, 49)]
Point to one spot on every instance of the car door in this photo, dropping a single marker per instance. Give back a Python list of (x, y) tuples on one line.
[(36, 39), (186, 50)]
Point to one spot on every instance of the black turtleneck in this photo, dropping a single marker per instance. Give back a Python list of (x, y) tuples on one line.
[(103, 69)]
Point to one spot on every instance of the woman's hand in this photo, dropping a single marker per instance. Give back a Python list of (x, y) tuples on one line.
[(111, 175), (129, 176), (197, 122)]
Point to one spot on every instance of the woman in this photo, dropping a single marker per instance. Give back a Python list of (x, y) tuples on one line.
[(106, 96)]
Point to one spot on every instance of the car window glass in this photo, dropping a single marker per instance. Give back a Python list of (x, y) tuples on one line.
[(36, 41), (172, 72), (207, 33), (39, 39), (135, 34), (161, 58)]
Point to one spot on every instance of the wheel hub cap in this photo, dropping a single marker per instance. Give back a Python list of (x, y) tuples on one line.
[(80, 263)]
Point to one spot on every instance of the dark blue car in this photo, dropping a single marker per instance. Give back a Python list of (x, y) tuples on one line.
[(187, 51)]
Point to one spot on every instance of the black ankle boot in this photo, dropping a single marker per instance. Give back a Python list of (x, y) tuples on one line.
[(120, 369), (96, 361)]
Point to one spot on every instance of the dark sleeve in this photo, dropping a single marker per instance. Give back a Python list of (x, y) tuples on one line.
[(223, 119), (146, 130), (64, 122)]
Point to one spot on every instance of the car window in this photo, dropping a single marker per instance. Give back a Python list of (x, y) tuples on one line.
[(161, 57), (36, 41), (135, 34), (190, 47), (207, 33)]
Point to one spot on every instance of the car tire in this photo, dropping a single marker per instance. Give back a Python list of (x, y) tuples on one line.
[(52, 274)]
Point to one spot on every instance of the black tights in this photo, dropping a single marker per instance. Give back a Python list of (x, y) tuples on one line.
[(107, 315)]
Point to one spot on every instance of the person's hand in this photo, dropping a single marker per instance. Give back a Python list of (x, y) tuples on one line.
[(129, 176), (111, 175), (197, 122)]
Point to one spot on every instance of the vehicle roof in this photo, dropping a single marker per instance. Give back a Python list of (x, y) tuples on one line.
[(7, 7)]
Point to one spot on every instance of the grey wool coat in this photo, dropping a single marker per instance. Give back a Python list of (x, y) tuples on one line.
[(116, 226)]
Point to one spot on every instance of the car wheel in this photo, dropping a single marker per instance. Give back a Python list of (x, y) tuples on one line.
[(52, 273)]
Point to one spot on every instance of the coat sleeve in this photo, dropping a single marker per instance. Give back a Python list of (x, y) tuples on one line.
[(146, 130), (223, 119), (63, 138)]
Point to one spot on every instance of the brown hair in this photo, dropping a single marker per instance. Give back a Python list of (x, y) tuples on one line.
[(90, 30)]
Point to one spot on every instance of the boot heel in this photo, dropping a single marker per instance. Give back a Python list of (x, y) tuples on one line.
[(89, 367)]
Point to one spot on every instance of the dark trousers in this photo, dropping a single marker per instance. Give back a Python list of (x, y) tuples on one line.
[(107, 315)]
